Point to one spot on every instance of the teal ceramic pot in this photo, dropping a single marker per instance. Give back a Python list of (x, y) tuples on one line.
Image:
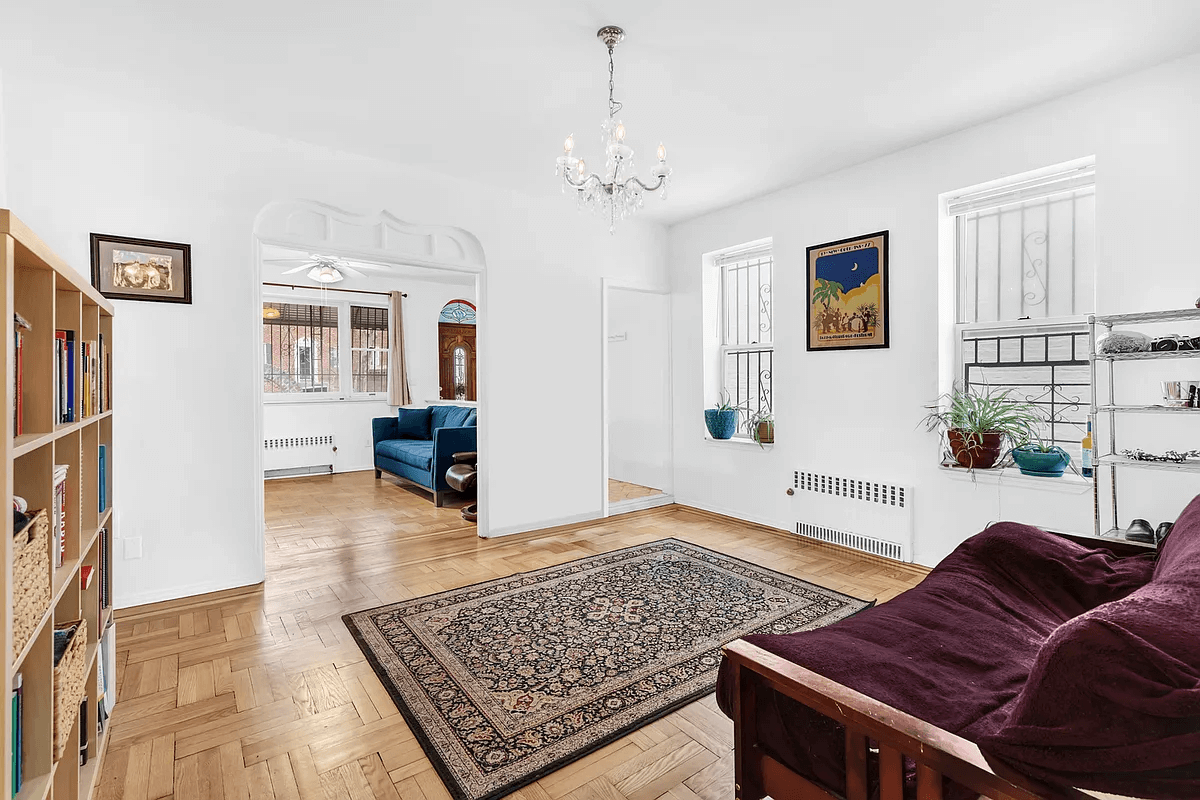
[(721, 424), (1033, 461)]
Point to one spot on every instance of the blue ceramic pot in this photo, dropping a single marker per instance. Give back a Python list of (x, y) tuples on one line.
[(1033, 461), (721, 424)]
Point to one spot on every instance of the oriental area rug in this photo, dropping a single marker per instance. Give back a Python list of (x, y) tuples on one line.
[(505, 681)]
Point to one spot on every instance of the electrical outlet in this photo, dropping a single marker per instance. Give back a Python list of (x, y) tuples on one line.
[(133, 547)]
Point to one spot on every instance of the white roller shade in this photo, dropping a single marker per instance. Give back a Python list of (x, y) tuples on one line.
[(1021, 191)]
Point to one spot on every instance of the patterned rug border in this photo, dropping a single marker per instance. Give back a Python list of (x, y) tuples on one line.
[(447, 777)]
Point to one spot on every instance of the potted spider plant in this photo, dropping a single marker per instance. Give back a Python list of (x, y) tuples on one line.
[(722, 419), (761, 427), (976, 424), (1035, 457)]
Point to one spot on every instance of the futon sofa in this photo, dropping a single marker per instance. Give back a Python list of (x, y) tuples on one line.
[(418, 444), (1026, 665)]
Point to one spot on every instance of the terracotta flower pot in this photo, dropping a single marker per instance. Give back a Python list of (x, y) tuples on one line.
[(975, 450), (766, 433)]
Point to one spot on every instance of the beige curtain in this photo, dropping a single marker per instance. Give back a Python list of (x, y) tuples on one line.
[(398, 391)]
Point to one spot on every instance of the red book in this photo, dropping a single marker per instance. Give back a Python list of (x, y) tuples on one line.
[(85, 576)]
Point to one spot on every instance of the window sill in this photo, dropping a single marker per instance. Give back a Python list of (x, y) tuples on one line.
[(288, 400), (736, 442), (1011, 476)]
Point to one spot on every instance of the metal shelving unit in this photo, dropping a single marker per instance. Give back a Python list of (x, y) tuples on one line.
[(1112, 459)]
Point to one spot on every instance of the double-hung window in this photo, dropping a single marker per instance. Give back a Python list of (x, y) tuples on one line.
[(1024, 263), (746, 332), (316, 350)]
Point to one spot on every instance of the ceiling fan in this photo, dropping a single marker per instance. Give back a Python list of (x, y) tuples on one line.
[(326, 269)]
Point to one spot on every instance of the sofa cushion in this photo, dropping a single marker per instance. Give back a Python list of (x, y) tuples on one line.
[(449, 417), (1113, 699), (472, 418), (414, 423), (413, 452)]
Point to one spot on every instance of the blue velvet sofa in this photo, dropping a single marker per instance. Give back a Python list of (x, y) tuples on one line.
[(418, 444)]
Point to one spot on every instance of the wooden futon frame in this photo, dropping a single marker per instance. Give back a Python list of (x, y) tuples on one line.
[(937, 753)]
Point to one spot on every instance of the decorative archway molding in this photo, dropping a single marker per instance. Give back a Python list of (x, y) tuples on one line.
[(307, 224)]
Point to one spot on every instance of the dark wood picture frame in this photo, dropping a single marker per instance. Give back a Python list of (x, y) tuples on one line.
[(101, 243), (883, 311)]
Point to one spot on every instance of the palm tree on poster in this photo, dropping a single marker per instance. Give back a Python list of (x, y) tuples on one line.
[(827, 292)]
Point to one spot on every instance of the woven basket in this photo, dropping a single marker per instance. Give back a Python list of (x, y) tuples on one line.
[(31, 578), (68, 686)]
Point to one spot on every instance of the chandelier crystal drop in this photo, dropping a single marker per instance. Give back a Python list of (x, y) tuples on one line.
[(617, 192)]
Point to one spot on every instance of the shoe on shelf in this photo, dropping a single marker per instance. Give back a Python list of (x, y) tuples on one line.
[(1140, 531), (1164, 530)]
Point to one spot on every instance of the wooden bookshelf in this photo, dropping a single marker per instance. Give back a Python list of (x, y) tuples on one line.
[(52, 296)]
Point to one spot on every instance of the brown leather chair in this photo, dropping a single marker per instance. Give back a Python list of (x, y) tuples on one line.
[(462, 477)]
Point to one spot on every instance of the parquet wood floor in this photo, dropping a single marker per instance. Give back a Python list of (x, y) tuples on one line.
[(622, 490), (246, 695)]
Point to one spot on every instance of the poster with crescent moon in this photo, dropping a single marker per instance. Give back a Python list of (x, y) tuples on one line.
[(848, 293)]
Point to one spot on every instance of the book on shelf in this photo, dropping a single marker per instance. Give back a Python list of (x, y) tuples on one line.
[(21, 327), (102, 477), (104, 577), (64, 375), (18, 703), (86, 573), (84, 738), (59, 520)]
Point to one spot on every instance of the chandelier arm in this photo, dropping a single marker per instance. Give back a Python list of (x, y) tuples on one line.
[(580, 184), (646, 187)]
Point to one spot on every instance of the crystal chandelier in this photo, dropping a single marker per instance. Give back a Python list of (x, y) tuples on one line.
[(618, 191)]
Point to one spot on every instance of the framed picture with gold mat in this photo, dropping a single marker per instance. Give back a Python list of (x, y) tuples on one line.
[(847, 293)]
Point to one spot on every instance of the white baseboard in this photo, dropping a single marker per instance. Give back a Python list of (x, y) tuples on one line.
[(179, 592), (537, 526), (728, 512), (640, 504)]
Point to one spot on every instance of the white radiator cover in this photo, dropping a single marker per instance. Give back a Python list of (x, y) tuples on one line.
[(298, 455), (866, 515)]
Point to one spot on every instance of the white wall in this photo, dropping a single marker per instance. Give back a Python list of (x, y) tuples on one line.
[(3, 171), (639, 435), (856, 414), (188, 488), (349, 420)]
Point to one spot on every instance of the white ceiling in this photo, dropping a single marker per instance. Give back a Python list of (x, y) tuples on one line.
[(748, 96), (377, 276)]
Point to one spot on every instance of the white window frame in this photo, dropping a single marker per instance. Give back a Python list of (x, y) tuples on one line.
[(720, 262), (1028, 186), (344, 358)]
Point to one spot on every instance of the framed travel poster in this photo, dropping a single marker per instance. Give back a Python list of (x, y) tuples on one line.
[(124, 268), (847, 293)]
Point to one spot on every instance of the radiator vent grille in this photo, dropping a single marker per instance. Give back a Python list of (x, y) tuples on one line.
[(850, 488), (287, 442), (865, 544)]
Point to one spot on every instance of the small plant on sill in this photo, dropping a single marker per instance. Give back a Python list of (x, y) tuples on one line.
[(761, 427), (974, 425)]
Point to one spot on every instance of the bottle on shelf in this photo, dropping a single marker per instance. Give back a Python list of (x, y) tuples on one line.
[(1086, 468)]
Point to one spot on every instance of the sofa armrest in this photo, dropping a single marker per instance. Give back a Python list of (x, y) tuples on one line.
[(447, 442), (382, 429), (936, 752)]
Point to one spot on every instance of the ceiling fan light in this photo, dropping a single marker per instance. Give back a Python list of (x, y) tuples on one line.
[(325, 274)]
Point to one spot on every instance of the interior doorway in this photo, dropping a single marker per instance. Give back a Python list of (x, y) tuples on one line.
[(637, 402)]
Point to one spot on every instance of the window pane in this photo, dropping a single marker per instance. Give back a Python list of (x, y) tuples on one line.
[(1034, 259), (747, 298), (300, 349), (1051, 371), (748, 380), (369, 348)]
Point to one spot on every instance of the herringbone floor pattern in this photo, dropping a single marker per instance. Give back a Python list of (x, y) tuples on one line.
[(258, 694)]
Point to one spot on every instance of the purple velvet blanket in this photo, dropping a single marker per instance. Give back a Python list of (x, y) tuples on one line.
[(1073, 665)]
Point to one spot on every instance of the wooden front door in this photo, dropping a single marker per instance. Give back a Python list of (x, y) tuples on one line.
[(456, 354)]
